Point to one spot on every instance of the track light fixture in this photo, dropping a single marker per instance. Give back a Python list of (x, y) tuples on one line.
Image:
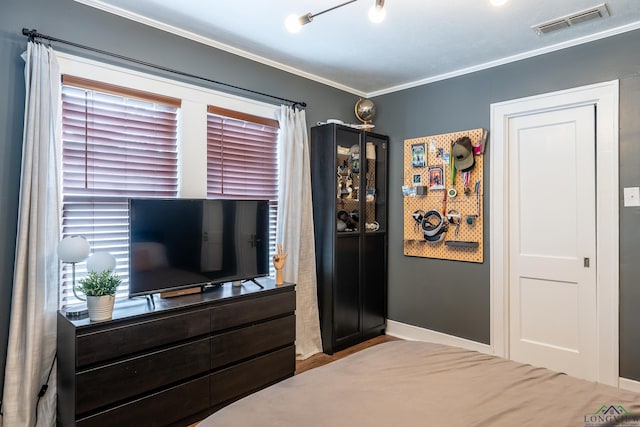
[(294, 23)]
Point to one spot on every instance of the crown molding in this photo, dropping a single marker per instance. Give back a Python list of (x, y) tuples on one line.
[(510, 59), (98, 4)]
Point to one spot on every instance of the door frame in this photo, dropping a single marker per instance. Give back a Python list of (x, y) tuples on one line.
[(605, 98)]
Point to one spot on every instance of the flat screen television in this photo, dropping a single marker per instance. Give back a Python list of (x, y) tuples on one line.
[(183, 243)]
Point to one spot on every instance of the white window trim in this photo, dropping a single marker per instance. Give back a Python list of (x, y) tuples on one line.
[(192, 141)]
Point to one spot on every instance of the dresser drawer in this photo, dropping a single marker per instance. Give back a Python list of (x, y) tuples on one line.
[(253, 340), (133, 338), (243, 312), (239, 380), (158, 409), (122, 380)]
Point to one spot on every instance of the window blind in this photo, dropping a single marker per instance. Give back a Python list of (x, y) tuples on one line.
[(117, 143), (242, 160)]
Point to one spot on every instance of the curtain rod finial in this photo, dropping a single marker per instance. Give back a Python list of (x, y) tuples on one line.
[(30, 33)]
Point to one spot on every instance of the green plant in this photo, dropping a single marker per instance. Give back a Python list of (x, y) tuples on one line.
[(99, 284)]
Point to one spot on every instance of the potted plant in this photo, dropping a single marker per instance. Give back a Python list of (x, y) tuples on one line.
[(100, 289)]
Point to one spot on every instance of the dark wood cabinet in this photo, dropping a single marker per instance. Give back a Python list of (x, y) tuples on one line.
[(349, 184), (177, 362)]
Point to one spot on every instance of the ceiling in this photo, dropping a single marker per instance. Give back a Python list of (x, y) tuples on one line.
[(419, 42)]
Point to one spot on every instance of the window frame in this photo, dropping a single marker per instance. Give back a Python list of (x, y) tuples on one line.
[(192, 118), (117, 143), (240, 125)]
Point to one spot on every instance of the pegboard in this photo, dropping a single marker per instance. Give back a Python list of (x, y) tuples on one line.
[(428, 172)]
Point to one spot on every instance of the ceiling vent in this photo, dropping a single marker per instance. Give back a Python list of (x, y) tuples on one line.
[(596, 12)]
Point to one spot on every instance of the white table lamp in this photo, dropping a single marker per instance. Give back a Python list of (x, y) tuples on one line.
[(73, 250)]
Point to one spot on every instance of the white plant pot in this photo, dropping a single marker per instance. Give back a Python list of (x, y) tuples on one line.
[(100, 308)]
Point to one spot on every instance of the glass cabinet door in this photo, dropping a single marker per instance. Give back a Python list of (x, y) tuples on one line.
[(348, 184), (375, 183)]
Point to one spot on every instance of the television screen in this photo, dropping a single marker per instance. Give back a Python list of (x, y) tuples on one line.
[(182, 243)]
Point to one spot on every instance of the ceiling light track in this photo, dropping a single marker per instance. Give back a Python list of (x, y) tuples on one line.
[(294, 23), (333, 8)]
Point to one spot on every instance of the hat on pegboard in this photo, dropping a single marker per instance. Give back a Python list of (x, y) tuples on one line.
[(462, 151)]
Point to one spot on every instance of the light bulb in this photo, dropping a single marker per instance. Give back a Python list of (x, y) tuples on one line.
[(101, 261), (292, 23), (73, 249), (498, 2), (377, 14)]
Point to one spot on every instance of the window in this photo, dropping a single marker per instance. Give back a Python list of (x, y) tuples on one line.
[(242, 160), (117, 143)]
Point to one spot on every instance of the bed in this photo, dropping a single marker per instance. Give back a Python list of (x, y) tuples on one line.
[(409, 383)]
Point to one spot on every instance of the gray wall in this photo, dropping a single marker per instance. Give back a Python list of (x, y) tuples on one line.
[(453, 297), (68, 20), (11, 111)]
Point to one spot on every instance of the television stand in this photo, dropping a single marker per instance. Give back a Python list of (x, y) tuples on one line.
[(151, 300), (174, 365), (254, 281)]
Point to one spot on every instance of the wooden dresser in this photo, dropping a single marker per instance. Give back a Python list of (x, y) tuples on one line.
[(178, 362)]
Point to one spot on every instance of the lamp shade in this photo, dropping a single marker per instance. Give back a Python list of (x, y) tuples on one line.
[(73, 249), (101, 261)]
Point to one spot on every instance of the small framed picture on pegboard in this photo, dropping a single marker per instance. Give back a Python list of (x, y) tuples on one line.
[(418, 155), (436, 178)]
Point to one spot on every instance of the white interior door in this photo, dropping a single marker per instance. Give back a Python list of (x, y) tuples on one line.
[(552, 240)]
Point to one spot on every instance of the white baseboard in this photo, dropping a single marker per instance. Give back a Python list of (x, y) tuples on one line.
[(415, 333), (630, 385)]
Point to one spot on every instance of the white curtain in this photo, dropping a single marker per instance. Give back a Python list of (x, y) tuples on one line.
[(32, 330), (294, 228)]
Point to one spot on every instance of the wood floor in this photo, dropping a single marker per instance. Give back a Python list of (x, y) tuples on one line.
[(320, 359)]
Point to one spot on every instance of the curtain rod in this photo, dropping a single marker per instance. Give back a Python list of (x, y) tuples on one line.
[(33, 34)]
